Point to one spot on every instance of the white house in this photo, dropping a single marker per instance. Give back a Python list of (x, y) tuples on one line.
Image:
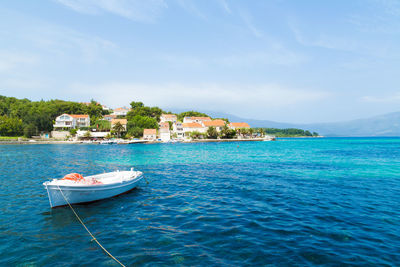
[(193, 126), (72, 121), (168, 117), (121, 111), (165, 134), (195, 119), (104, 107), (150, 134), (178, 129)]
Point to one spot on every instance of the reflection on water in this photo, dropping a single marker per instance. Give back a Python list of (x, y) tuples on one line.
[(290, 202)]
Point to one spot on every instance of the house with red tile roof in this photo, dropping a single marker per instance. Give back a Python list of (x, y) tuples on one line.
[(193, 127), (238, 125), (164, 125), (218, 124), (109, 117), (121, 111), (195, 119), (150, 134), (168, 117)]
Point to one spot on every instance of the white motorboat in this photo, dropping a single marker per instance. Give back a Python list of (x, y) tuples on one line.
[(74, 188), (107, 142)]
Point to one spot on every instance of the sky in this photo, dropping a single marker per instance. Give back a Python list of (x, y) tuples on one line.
[(288, 61)]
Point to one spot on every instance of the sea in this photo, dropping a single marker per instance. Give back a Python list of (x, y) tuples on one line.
[(292, 202)]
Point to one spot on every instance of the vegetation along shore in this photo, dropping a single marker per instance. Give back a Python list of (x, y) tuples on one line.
[(22, 121)]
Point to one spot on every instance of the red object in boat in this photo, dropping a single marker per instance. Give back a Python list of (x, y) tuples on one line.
[(73, 177)]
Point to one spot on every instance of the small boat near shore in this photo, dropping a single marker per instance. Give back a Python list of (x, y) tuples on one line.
[(74, 188)]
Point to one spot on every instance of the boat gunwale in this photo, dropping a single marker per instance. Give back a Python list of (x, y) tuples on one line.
[(84, 187)]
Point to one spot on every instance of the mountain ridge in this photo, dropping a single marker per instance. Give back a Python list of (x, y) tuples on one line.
[(381, 125)]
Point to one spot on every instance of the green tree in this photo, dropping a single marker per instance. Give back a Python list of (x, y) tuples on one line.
[(227, 133), (94, 110), (30, 130), (102, 125), (73, 132), (87, 134), (136, 131), (251, 132), (196, 135), (190, 114), (11, 126), (212, 133)]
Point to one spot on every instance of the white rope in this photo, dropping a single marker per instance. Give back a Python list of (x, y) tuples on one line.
[(94, 238)]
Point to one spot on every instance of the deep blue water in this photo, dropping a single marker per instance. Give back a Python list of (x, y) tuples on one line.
[(332, 201)]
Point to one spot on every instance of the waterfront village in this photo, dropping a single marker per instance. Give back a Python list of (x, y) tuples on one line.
[(74, 127), (23, 120)]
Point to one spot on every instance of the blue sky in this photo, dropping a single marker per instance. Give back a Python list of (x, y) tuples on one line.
[(292, 61)]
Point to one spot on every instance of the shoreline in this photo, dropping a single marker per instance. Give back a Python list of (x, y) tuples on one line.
[(59, 142), (54, 142)]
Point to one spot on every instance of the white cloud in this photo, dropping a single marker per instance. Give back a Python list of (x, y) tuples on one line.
[(138, 10), (270, 56), (11, 60), (63, 42), (382, 17), (233, 98), (253, 59), (327, 41), (248, 21), (225, 6), (191, 7)]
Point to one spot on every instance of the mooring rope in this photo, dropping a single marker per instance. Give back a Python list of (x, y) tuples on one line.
[(94, 238)]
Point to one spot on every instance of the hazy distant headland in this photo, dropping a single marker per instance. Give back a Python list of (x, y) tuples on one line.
[(383, 125)]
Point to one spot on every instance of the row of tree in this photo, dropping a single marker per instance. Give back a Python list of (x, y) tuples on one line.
[(289, 132), (227, 133), (24, 117)]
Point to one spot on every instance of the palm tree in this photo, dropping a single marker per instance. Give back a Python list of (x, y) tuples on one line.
[(118, 128), (244, 131), (262, 132), (87, 134), (251, 131), (238, 131)]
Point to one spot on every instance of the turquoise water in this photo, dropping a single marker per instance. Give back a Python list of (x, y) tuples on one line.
[(332, 201)]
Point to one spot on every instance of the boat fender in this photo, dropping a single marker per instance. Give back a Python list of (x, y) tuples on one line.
[(73, 177)]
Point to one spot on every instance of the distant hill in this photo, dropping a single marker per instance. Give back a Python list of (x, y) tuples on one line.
[(382, 125)]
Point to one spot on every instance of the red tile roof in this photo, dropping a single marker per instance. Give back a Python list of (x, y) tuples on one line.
[(192, 125), (79, 116), (123, 108), (200, 118), (164, 125), (169, 115), (239, 125), (149, 131), (215, 123)]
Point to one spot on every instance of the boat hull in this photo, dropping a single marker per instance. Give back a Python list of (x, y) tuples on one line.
[(83, 194)]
